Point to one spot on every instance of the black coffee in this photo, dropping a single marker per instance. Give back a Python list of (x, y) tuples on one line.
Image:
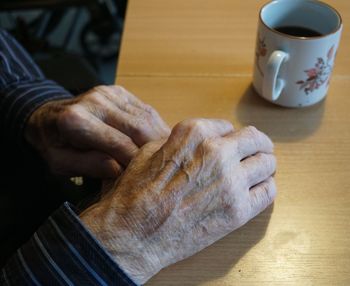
[(298, 31)]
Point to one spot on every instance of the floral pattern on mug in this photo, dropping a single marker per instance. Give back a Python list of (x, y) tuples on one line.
[(260, 51), (319, 74)]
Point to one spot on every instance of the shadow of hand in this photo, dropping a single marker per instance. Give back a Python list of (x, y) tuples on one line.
[(280, 123), (218, 259)]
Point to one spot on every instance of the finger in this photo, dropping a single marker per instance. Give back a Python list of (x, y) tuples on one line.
[(262, 195), (120, 96), (70, 162), (258, 168), (250, 141), (102, 102), (157, 128), (114, 97), (118, 113), (131, 98), (141, 125), (85, 131)]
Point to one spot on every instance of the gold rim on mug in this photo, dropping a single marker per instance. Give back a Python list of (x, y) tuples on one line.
[(299, 37)]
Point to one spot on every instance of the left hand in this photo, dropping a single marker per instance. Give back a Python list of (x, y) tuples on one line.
[(95, 134)]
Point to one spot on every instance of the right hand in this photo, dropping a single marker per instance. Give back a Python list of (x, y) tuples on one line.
[(175, 199)]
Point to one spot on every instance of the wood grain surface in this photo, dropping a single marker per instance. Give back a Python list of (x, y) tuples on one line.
[(192, 58)]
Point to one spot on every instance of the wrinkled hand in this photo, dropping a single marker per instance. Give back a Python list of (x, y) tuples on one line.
[(94, 134), (175, 199)]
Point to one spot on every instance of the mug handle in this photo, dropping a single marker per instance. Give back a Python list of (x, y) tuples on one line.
[(272, 85)]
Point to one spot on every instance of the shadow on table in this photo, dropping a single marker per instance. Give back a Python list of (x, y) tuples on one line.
[(217, 260), (280, 123)]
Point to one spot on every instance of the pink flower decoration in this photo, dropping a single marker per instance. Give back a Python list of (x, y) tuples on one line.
[(311, 72), (317, 75)]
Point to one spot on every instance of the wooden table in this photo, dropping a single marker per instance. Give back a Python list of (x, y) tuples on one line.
[(194, 58)]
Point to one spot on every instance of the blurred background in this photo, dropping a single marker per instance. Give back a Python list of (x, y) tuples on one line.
[(79, 37)]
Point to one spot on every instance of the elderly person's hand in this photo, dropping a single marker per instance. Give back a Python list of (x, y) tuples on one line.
[(175, 199), (94, 134)]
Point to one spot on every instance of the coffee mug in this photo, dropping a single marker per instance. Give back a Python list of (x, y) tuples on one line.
[(297, 41)]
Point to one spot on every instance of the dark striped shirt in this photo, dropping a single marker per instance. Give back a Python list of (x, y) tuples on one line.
[(23, 87), (62, 251)]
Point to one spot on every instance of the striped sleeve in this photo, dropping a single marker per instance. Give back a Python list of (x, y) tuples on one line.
[(62, 252), (23, 88)]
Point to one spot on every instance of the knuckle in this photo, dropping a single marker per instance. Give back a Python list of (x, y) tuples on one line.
[(96, 97), (259, 136), (119, 89), (189, 130), (215, 152), (195, 127), (100, 99), (252, 131), (70, 117)]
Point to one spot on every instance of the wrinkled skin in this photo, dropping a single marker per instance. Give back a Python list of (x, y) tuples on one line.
[(95, 134), (178, 197)]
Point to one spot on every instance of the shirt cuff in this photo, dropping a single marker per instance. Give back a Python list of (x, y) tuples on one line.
[(63, 251)]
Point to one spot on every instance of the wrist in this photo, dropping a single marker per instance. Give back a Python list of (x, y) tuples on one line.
[(42, 120), (36, 124), (131, 253)]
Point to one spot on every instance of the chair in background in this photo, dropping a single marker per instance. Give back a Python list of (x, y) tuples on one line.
[(99, 37)]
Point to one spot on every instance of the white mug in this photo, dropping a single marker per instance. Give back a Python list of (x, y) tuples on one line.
[(296, 46)]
